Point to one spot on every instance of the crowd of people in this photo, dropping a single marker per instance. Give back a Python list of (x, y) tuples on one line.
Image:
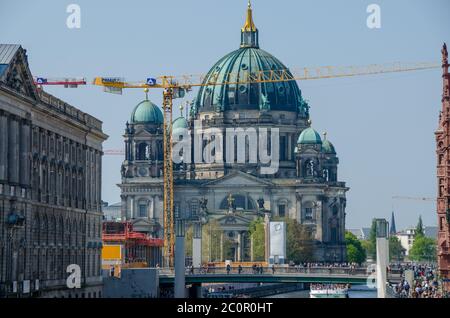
[(424, 284)]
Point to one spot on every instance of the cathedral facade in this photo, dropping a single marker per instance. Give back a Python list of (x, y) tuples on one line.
[(50, 188), (304, 187)]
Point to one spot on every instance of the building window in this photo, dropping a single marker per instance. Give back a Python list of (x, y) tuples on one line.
[(282, 210), (142, 210), (194, 208), (308, 213), (176, 209), (283, 148)]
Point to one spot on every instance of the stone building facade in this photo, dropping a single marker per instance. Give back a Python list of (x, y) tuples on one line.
[(305, 187), (50, 188)]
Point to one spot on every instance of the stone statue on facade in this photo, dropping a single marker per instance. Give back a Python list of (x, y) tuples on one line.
[(261, 203), (230, 201)]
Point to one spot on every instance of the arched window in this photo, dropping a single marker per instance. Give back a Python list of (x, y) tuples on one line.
[(309, 168), (74, 233), (142, 151), (240, 202), (52, 230), (36, 228), (44, 229)]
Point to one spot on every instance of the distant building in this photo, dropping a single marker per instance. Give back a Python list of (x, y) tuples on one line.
[(431, 231), (406, 239), (50, 181), (362, 233), (112, 212), (407, 236)]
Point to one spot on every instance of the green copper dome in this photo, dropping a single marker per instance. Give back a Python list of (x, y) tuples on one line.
[(327, 147), (309, 136), (234, 67), (180, 123), (146, 113)]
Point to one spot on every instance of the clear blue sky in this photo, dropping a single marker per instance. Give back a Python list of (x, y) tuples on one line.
[(382, 126)]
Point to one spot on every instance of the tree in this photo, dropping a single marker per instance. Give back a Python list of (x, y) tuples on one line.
[(355, 250), (423, 249), (372, 242), (188, 240), (419, 227), (257, 234), (299, 245), (396, 250), (211, 248)]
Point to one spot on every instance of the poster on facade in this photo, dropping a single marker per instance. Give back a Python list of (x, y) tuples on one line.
[(277, 242), (26, 286)]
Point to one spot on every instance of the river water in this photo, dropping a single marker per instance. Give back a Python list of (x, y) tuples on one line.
[(354, 292)]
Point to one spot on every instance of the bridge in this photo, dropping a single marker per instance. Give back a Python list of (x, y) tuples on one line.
[(337, 275)]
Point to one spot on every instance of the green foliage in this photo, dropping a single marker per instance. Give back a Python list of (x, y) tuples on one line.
[(396, 250), (423, 249), (211, 248), (371, 246), (355, 250), (419, 227), (256, 230), (299, 245), (188, 240)]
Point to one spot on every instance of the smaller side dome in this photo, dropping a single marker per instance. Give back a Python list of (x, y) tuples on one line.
[(146, 113), (309, 136), (327, 146), (180, 123)]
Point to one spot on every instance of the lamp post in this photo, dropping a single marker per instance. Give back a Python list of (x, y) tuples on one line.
[(382, 256), (179, 288)]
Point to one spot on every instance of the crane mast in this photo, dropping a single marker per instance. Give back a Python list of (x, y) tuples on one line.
[(169, 235)]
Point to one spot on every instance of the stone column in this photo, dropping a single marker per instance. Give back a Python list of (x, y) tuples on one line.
[(197, 245), (289, 146), (13, 151), (240, 247), (123, 207), (221, 246), (152, 208), (319, 221), (24, 153), (3, 146)]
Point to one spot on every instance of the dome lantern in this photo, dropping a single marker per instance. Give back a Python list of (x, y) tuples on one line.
[(249, 32)]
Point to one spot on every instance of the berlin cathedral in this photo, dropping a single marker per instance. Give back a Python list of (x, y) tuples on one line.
[(305, 187)]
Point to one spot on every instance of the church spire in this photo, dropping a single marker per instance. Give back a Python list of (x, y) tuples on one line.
[(249, 32), (393, 229)]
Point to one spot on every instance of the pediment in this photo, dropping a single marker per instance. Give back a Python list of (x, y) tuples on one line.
[(17, 75), (141, 222), (239, 179), (233, 220), (142, 132)]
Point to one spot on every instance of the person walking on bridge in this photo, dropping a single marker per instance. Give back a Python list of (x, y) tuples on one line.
[(228, 268), (240, 269), (273, 269)]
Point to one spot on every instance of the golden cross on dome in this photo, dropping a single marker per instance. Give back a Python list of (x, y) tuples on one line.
[(249, 26)]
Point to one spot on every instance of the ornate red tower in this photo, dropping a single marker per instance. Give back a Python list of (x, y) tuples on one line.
[(443, 173)]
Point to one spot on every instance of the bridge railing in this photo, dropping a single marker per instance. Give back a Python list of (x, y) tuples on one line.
[(280, 271)]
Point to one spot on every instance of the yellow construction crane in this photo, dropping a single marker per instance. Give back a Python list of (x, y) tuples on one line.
[(399, 197), (177, 86)]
